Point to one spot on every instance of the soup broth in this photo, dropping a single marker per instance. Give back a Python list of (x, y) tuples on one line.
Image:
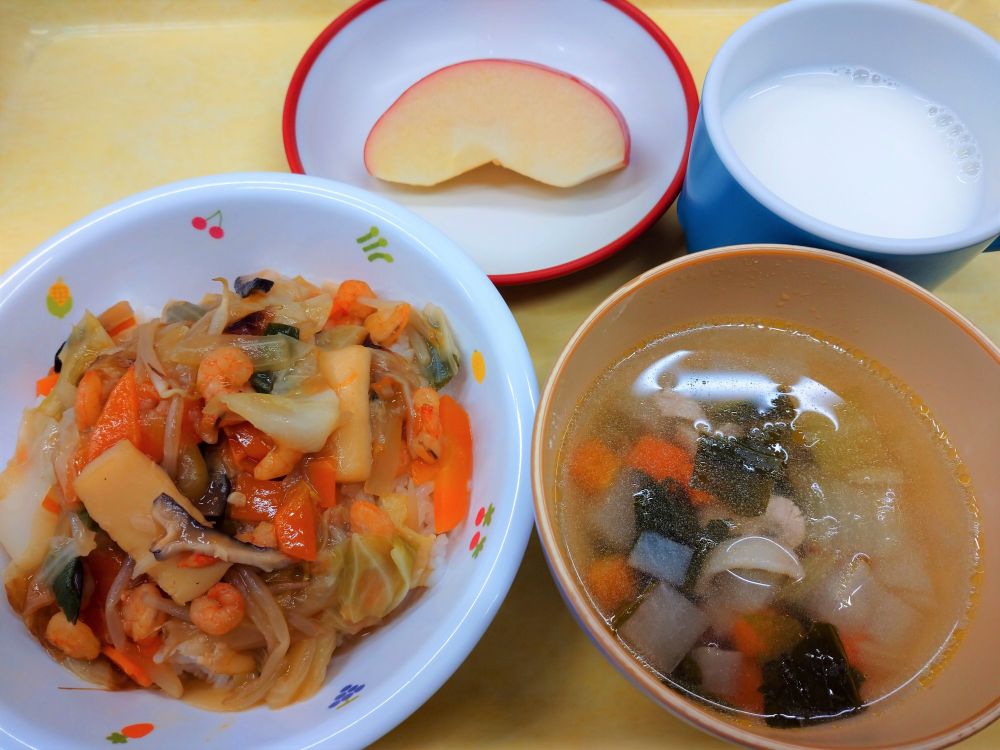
[(768, 521)]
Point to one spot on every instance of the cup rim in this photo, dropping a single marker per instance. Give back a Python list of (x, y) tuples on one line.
[(982, 231), (562, 570)]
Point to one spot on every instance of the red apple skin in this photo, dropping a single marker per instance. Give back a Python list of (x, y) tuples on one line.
[(622, 124)]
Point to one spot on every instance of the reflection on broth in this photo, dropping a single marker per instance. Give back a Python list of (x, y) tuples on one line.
[(768, 521)]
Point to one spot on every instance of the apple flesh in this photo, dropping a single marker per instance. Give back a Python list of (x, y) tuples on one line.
[(534, 120)]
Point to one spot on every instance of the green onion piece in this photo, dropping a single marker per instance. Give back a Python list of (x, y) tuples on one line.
[(68, 589), (276, 328), (262, 382)]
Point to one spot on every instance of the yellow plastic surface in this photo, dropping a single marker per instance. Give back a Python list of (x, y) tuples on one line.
[(101, 99)]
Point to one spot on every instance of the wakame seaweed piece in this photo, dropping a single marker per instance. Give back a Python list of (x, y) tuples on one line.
[(662, 507), (812, 682), (687, 674), (711, 536), (56, 362), (247, 285), (287, 330), (263, 382), (737, 474), (735, 412), (68, 588), (254, 324)]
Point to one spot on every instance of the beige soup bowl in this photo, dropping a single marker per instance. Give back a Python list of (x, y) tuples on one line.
[(952, 366)]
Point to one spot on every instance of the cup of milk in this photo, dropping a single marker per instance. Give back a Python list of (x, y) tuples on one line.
[(870, 127)]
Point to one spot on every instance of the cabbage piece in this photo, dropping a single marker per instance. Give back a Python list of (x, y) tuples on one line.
[(434, 346), (378, 573), (85, 343), (300, 422), (25, 526)]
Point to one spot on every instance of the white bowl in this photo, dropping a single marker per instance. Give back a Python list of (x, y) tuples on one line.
[(146, 250), (517, 230)]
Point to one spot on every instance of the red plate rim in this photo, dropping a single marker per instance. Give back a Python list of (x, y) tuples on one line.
[(542, 274)]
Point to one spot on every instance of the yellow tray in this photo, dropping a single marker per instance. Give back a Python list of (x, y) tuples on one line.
[(99, 100)]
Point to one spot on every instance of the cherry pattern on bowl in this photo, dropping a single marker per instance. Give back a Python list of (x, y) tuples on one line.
[(215, 231)]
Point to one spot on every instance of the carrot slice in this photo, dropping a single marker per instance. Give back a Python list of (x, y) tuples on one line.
[(593, 466), (322, 475), (611, 582), (44, 386), (451, 488), (295, 525), (660, 460), (128, 664), (368, 518), (119, 419), (51, 504), (748, 696), (264, 497), (89, 392), (422, 472)]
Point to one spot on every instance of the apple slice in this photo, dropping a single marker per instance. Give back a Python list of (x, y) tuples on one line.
[(537, 121)]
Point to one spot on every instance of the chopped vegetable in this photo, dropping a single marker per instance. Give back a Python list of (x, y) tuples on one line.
[(337, 337), (118, 318), (247, 285), (348, 372), (322, 475), (129, 664), (660, 460), (612, 519), (68, 589), (263, 498), (182, 533), (451, 489), (593, 466), (86, 342), (434, 346), (254, 324), (811, 683), (302, 423), (662, 558), (182, 312), (275, 329), (44, 386), (748, 695), (119, 419), (664, 627), (295, 525), (737, 474), (368, 518), (720, 670), (611, 582), (764, 636), (212, 502)]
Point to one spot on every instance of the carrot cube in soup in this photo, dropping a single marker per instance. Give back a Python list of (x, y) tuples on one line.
[(661, 460), (593, 466), (611, 582)]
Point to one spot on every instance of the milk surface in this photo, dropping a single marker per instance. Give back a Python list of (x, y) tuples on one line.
[(859, 151)]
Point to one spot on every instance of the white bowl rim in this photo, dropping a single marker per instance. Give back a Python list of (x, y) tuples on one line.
[(469, 626)]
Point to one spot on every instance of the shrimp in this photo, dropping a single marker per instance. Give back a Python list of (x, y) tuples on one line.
[(200, 654), (263, 535), (89, 399), (219, 610), (223, 370), (427, 430), (140, 619), (385, 326), (346, 305), (277, 463), (76, 640)]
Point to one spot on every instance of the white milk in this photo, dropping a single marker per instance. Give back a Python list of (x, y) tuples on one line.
[(856, 150)]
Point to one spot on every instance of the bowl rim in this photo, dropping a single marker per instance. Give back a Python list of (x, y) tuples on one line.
[(561, 568), (982, 230), (645, 23), (468, 624)]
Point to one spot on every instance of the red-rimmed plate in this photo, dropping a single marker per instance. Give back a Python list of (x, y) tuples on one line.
[(516, 229)]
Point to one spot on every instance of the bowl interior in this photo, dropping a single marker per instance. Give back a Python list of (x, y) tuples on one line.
[(510, 225), (146, 250), (952, 367)]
